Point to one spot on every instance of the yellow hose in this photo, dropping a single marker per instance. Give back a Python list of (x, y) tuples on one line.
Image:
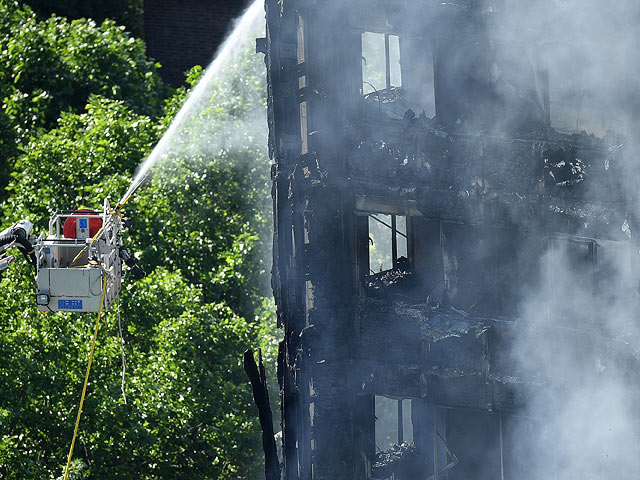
[(86, 378)]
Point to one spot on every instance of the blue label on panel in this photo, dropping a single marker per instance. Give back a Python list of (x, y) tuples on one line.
[(82, 222), (47, 250), (70, 304)]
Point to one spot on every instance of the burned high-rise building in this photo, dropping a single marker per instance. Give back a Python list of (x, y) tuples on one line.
[(436, 181)]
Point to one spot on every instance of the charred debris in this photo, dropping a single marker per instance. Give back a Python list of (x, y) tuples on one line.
[(388, 120)]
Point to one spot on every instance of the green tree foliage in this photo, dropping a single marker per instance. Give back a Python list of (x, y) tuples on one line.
[(199, 228), (188, 414), (125, 12), (52, 66), (77, 163)]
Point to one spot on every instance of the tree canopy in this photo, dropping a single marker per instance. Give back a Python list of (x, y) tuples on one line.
[(82, 108), (125, 12), (52, 66)]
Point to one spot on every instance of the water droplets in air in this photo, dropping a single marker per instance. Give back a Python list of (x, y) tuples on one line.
[(207, 123)]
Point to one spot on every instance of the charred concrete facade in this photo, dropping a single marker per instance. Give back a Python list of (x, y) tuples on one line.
[(473, 184)]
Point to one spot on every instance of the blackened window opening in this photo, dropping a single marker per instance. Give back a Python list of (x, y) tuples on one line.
[(387, 241), (380, 62), (393, 422)]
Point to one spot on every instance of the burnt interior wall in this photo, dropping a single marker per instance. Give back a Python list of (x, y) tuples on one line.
[(476, 438), (478, 88)]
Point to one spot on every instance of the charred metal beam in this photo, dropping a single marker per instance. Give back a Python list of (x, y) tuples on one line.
[(258, 378)]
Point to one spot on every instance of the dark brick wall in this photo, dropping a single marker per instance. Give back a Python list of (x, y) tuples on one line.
[(184, 33)]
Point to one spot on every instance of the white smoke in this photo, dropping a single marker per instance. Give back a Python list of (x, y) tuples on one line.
[(580, 333)]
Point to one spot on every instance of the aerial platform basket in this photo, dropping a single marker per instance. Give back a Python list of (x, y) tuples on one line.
[(79, 256)]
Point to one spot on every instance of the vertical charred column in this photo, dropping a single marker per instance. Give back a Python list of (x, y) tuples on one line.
[(329, 229), (284, 149), (313, 61), (461, 66)]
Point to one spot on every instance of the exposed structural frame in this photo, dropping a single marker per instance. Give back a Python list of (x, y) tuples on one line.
[(429, 328)]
